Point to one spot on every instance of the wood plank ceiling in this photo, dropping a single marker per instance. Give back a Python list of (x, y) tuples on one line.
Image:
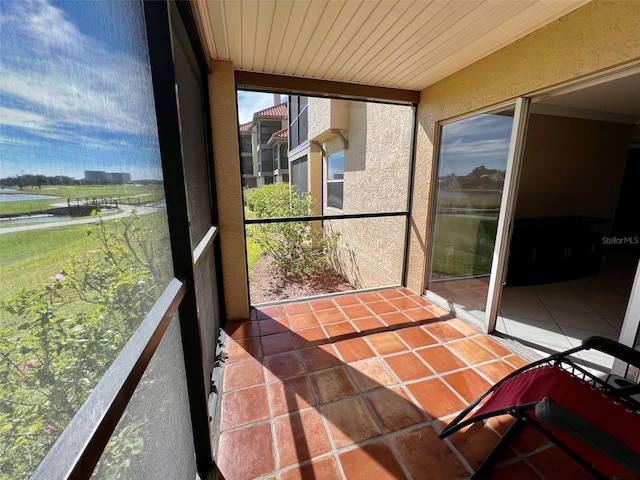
[(399, 44)]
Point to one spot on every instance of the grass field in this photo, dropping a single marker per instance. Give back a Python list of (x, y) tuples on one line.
[(29, 259), (253, 249), (128, 193), (93, 190), (26, 206), (253, 254), (464, 200), (463, 245)]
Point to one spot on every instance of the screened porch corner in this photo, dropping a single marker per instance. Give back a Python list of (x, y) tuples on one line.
[(358, 386)]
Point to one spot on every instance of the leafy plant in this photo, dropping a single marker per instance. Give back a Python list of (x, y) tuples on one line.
[(50, 368), (298, 250)]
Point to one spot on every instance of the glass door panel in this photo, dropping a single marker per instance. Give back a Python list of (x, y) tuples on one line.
[(630, 332), (472, 162)]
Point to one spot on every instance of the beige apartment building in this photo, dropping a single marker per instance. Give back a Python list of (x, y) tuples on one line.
[(263, 146), (354, 158)]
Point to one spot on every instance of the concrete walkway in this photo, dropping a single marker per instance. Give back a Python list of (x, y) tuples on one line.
[(126, 211)]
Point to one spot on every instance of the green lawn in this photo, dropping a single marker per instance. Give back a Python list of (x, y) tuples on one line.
[(253, 254), (94, 190), (26, 206), (253, 249), (470, 201), (463, 245), (249, 213), (29, 259), (127, 193)]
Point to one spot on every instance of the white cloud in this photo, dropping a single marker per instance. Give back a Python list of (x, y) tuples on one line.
[(49, 25), (5, 140), (478, 148), (478, 140), (14, 117), (479, 125), (65, 79)]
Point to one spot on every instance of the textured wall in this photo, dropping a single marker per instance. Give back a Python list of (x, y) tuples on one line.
[(595, 37), (379, 149), (325, 114), (370, 251), (315, 178), (226, 154), (319, 115)]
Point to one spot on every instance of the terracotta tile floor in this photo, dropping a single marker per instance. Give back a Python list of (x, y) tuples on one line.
[(358, 386)]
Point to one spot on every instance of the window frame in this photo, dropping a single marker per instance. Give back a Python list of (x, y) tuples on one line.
[(295, 119), (520, 106), (330, 181)]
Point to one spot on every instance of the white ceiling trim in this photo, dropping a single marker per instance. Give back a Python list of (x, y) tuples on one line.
[(389, 43)]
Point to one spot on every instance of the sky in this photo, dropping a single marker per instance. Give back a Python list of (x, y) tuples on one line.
[(475, 141), (251, 102), (75, 90)]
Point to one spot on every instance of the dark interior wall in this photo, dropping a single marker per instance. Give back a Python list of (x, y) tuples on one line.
[(572, 166)]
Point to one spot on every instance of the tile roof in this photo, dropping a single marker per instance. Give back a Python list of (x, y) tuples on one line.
[(245, 127), (274, 111), (278, 137), (284, 133)]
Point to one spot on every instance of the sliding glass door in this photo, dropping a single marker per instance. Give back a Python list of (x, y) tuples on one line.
[(473, 159)]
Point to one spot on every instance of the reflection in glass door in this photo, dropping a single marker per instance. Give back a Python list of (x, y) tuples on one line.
[(472, 162)]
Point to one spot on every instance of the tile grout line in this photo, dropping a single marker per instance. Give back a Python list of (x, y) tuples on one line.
[(307, 373)]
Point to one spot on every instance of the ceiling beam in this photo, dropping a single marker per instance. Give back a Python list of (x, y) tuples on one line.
[(322, 88)]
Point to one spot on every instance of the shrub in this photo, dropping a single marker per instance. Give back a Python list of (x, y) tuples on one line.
[(297, 249), (50, 368)]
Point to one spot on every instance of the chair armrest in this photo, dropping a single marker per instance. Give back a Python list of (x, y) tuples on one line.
[(623, 387), (560, 418), (606, 345)]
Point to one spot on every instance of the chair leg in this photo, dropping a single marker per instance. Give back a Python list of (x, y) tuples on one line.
[(488, 463)]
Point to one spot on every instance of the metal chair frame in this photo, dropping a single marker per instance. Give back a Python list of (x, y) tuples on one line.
[(549, 413)]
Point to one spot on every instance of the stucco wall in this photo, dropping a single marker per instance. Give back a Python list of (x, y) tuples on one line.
[(319, 116), (325, 114), (572, 166), (593, 38), (224, 121), (370, 251), (376, 173)]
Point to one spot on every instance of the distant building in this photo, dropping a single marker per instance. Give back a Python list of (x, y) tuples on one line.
[(265, 123), (279, 145), (248, 169), (268, 133), (95, 175), (111, 177)]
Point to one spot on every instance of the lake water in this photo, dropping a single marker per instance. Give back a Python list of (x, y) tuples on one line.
[(19, 197)]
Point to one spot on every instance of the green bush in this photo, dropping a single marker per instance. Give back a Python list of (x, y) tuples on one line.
[(296, 248), (52, 363)]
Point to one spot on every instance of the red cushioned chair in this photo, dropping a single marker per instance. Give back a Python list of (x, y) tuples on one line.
[(595, 421)]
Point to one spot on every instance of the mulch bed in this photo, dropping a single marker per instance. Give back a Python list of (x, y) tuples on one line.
[(266, 287)]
